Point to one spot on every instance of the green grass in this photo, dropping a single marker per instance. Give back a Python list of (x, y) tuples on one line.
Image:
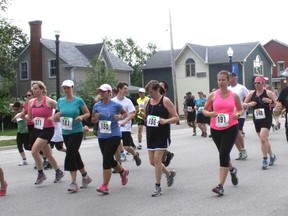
[(9, 132), (7, 143)]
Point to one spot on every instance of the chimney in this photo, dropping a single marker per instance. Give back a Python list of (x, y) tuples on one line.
[(35, 50)]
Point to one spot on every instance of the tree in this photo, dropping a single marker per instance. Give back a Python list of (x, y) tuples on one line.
[(96, 75), (132, 55), (12, 42)]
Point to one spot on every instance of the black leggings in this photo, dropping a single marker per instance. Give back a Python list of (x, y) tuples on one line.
[(108, 148), (73, 160), (224, 140), (23, 140)]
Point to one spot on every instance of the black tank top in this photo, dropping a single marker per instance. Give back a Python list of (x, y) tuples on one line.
[(162, 131), (260, 104)]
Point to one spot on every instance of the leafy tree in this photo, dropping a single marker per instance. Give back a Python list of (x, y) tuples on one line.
[(132, 55), (96, 75), (12, 42)]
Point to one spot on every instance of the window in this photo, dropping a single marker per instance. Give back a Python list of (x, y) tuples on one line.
[(52, 68), (190, 67), (280, 67), (258, 66), (24, 71), (201, 74)]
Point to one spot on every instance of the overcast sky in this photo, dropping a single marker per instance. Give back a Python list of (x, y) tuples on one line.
[(204, 22)]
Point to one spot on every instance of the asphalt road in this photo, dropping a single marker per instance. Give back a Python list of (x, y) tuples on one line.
[(260, 192)]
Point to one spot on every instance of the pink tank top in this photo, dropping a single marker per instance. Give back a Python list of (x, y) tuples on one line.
[(41, 113), (25, 107), (225, 107)]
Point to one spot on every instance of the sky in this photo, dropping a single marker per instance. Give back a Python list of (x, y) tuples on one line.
[(204, 22)]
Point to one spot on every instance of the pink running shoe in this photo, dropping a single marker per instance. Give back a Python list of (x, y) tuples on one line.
[(3, 189), (103, 189), (124, 178)]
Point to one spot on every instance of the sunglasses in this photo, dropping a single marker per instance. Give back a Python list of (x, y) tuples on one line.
[(258, 83), (28, 95)]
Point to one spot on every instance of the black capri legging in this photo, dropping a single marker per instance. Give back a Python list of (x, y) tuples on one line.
[(108, 148), (224, 140), (73, 160), (23, 140)]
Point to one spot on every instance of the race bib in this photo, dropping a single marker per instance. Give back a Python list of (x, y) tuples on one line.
[(189, 109), (141, 106), (38, 123), (200, 109), (222, 120), (105, 126), (153, 121), (66, 123), (259, 113)]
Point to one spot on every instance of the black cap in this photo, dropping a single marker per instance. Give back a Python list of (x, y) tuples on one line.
[(188, 93), (234, 74)]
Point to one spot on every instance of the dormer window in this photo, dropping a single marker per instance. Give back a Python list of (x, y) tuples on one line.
[(190, 67), (258, 66)]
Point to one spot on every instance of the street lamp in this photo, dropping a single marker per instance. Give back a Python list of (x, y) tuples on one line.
[(57, 42), (230, 54)]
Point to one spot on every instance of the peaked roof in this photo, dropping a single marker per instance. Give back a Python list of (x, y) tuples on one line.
[(80, 55), (209, 54), (276, 41), (161, 59)]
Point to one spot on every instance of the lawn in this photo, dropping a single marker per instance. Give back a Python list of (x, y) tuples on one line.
[(9, 132), (13, 132)]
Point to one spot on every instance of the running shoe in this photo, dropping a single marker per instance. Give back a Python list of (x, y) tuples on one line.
[(194, 134), (169, 157), (272, 160), (47, 166), (86, 181), (137, 159), (58, 176), (244, 154), (234, 178), (264, 164), (139, 147), (218, 190), (124, 178), (123, 156), (157, 192), (73, 187), (23, 163), (103, 189), (239, 156), (40, 178), (3, 189), (170, 179)]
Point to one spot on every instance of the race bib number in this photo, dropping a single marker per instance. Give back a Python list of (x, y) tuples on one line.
[(259, 113), (222, 120), (105, 126), (189, 109), (38, 123), (153, 121), (66, 123)]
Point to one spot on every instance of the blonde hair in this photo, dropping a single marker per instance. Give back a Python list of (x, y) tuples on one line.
[(41, 86)]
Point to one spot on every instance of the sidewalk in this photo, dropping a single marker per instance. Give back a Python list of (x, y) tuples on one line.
[(7, 138)]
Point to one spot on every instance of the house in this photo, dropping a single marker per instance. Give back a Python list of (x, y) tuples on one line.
[(279, 54), (38, 62), (196, 67)]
